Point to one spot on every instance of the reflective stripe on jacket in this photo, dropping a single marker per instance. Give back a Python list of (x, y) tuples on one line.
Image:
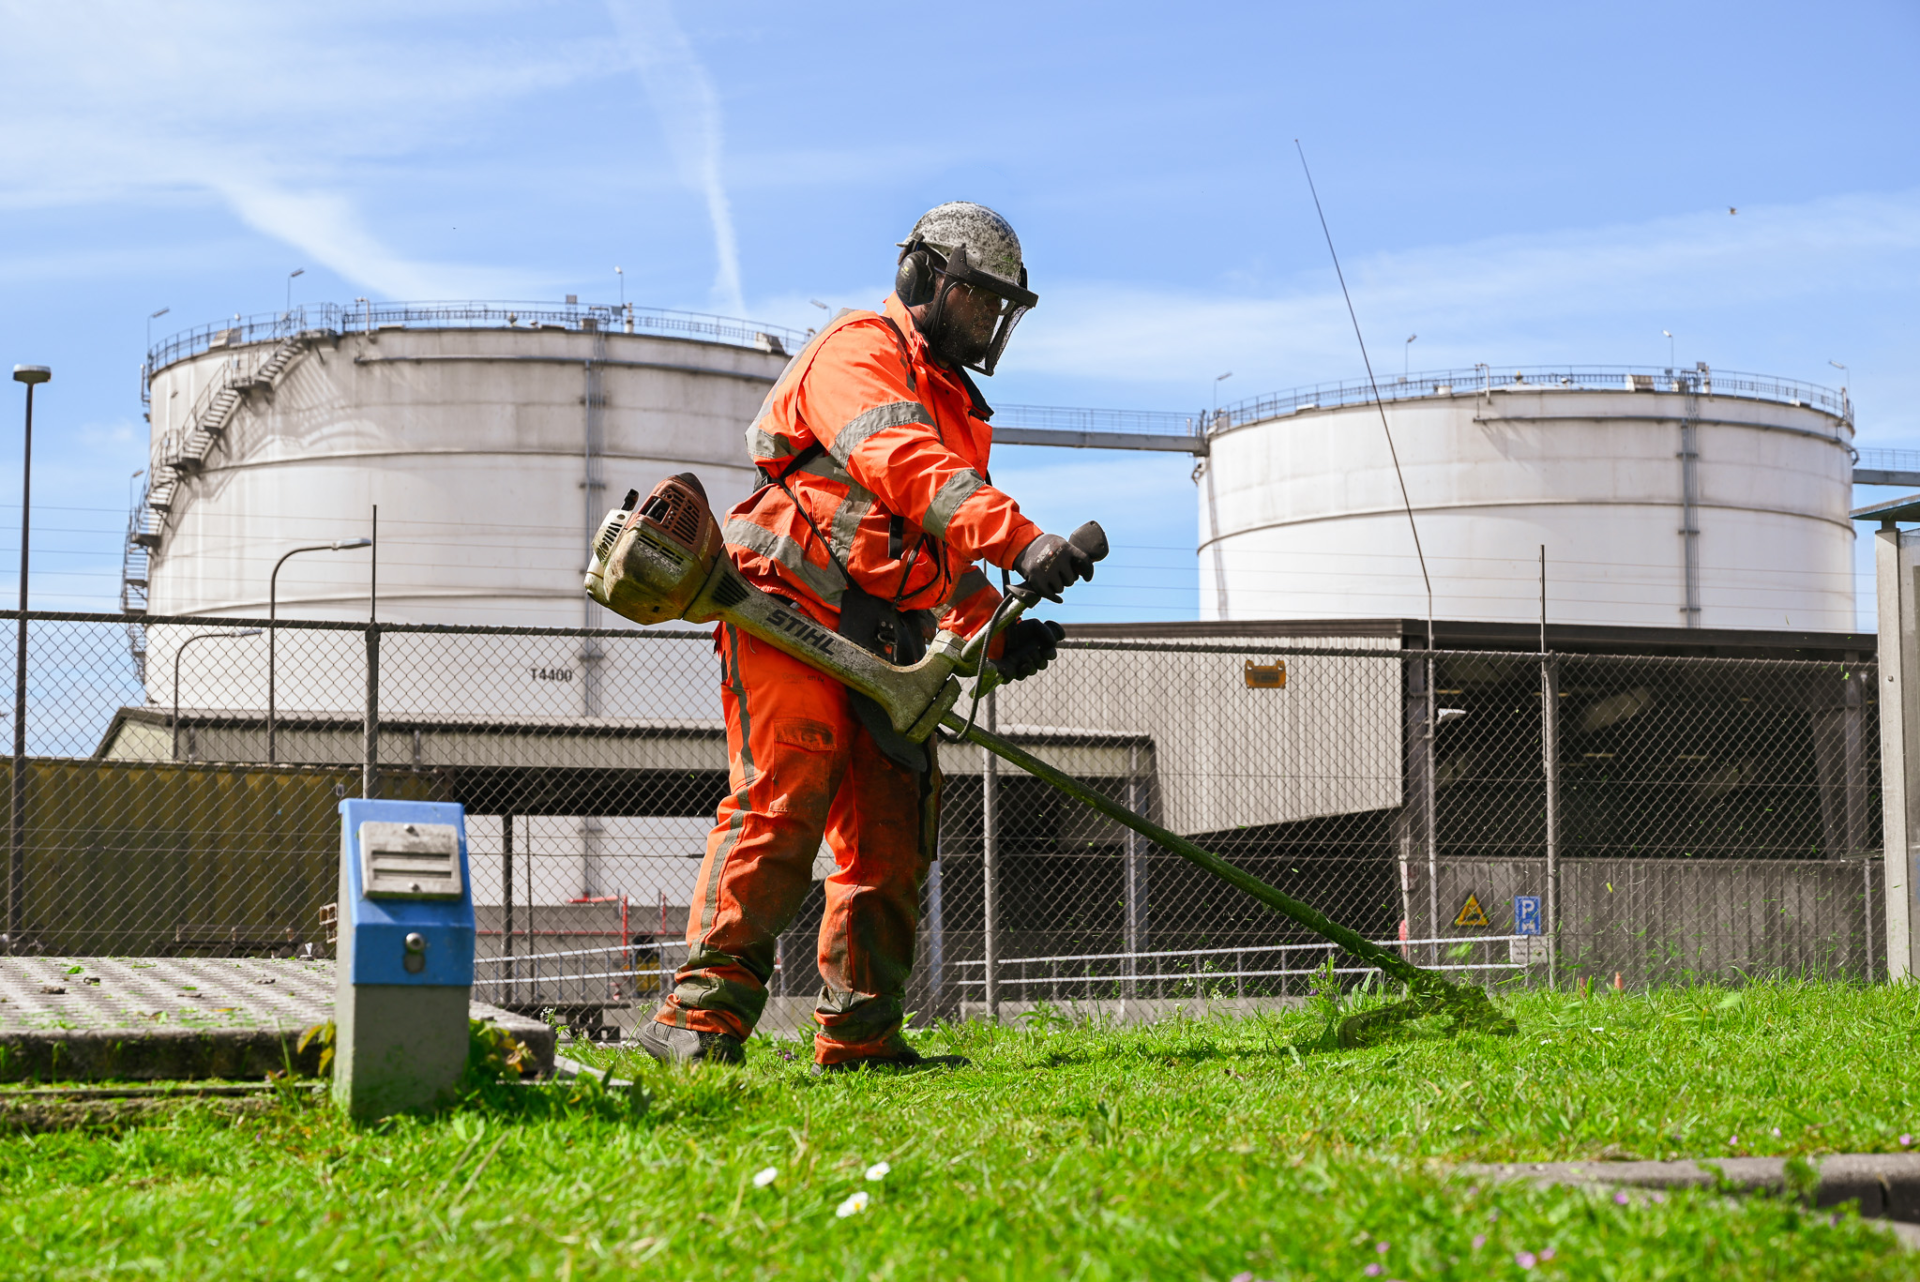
[(896, 494)]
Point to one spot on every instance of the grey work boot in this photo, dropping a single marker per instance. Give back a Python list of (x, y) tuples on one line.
[(672, 1045)]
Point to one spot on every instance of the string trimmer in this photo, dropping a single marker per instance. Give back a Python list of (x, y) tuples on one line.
[(663, 560)]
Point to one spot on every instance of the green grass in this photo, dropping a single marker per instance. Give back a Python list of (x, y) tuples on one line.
[(1181, 1151)]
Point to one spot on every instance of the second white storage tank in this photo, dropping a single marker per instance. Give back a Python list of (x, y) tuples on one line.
[(1663, 498)]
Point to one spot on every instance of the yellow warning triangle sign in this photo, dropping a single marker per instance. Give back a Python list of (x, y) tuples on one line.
[(1471, 913)]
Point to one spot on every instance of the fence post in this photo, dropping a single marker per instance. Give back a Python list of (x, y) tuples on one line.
[(17, 831), (936, 937), (989, 871), (1550, 768), (511, 988), (1409, 821), (370, 736), (1899, 704), (1136, 879), (1429, 809)]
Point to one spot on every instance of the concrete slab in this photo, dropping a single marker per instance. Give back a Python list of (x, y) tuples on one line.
[(175, 1018), (1886, 1185)]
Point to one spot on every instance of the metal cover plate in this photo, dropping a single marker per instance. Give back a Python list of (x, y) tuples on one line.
[(409, 861)]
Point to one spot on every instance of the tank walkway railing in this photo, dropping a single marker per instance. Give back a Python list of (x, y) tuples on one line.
[(336, 318), (1482, 378)]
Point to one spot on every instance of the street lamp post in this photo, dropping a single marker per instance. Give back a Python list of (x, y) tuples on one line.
[(1669, 334), (151, 318), (1218, 379), (1406, 356), (298, 271), (146, 357), (273, 631), (198, 636), (32, 376)]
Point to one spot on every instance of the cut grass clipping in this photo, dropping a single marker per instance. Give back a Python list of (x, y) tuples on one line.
[(1207, 1149)]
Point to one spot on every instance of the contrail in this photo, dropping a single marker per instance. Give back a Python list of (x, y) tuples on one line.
[(689, 110)]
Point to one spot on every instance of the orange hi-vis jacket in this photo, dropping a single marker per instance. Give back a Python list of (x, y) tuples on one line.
[(886, 452)]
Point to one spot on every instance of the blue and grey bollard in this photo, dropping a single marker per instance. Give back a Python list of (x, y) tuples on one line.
[(404, 979)]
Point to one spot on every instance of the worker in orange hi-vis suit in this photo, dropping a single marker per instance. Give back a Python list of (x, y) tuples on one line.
[(873, 515)]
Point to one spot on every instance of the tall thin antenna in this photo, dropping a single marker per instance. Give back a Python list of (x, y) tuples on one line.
[(1378, 403)]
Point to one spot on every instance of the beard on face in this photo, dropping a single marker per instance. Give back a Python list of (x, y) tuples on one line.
[(962, 336)]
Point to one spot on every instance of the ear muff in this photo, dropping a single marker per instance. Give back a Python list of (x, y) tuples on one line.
[(915, 278)]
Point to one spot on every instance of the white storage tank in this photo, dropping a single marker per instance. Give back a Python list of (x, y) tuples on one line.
[(493, 437), (1664, 498)]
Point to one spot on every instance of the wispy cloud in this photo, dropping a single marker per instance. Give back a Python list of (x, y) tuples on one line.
[(684, 99), (329, 229), (1516, 294), (258, 107)]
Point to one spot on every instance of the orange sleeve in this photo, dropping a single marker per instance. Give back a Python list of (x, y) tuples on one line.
[(972, 604), (859, 404)]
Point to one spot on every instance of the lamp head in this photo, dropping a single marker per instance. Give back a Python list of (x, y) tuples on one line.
[(31, 374), (345, 544)]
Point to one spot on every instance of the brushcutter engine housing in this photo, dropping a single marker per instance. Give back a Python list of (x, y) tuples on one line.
[(671, 559)]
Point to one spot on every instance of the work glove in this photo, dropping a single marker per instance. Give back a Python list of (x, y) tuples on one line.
[(1028, 646), (1050, 564)]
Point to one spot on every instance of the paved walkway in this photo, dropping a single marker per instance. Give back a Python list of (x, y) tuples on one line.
[(152, 1018)]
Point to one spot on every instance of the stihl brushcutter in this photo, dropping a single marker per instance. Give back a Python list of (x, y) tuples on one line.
[(662, 559)]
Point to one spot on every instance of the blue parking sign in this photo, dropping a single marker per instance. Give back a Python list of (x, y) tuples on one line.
[(1526, 914)]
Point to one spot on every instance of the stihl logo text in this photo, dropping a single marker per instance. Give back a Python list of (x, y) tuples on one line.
[(795, 626)]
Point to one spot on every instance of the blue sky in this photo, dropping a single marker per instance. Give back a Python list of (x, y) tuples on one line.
[(1519, 184)]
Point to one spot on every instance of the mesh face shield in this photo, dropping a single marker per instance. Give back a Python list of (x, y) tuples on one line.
[(973, 311)]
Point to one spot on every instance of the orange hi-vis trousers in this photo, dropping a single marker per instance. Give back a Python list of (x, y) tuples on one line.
[(801, 765)]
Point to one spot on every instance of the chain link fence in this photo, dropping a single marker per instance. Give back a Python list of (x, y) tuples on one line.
[(1658, 820)]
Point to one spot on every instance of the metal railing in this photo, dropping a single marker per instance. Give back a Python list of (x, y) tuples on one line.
[(1888, 460), (1488, 379), (1203, 972), (1062, 418), (341, 318)]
